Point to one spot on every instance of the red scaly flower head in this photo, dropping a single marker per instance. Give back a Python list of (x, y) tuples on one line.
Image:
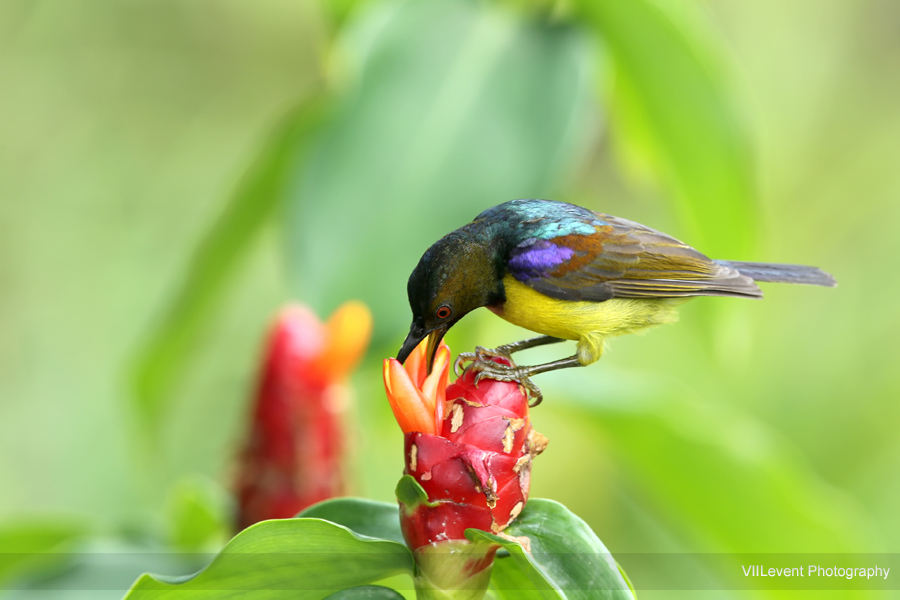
[(294, 455), (468, 446)]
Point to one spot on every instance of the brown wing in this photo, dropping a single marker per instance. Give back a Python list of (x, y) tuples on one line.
[(623, 259)]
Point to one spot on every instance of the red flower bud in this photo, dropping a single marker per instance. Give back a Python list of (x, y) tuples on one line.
[(473, 460), (293, 457), (478, 469)]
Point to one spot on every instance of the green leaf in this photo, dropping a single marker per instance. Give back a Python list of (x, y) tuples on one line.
[(310, 558), (411, 494), (339, 12), (198, 515), (366, 592), (566, 559), (365, 517), (706, 464), (627, 579), (28, 546), (717, 479), (569, 551), (459, 106), (255, 200), (99, 569), (673, 109), (518, 576)]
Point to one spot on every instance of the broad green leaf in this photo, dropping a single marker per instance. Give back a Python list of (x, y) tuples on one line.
[(255, 200), (365, 517), (310, 558), (366, 592), (569, 551), (515, 575), (459, 106), (674, 111), (564, 550), (626, 579), (514, 581)]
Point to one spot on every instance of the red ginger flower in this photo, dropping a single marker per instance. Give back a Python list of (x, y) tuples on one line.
[(294, 455), (469, 447)]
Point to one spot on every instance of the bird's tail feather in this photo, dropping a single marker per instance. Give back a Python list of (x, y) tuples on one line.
[(782, 273)]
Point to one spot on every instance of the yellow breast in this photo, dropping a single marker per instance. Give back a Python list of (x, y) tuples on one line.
[(590, 323)]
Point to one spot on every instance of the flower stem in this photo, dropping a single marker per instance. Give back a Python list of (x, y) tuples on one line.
[(454, 570)]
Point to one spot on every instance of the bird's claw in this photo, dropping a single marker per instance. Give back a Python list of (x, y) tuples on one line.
[(481, 354), (486, 368)]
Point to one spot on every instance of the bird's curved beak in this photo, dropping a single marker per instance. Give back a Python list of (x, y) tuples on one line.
[(416, 335)]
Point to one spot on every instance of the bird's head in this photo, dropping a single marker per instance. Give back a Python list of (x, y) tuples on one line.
[(459, 273)]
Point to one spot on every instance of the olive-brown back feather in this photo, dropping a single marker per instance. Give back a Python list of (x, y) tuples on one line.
[(624, 259)]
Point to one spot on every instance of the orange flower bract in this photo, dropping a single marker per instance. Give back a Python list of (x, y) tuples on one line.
[(417, 398)]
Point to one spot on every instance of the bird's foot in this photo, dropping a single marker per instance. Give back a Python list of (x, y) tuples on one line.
[(499, 372), (481, 355), (485, 368)]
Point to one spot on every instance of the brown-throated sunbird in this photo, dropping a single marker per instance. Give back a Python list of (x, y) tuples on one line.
[(570, 274)]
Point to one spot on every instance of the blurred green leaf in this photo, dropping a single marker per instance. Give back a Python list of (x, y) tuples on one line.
[(366, 592), (563, 550), (28, 546), (365, 517), (459, 106), (733, 481), (198, 515), (310, 557), (339, 12), (100, 569), (256, 199), (675, 115)]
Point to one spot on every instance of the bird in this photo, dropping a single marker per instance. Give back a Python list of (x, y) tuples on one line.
[(567, 273)]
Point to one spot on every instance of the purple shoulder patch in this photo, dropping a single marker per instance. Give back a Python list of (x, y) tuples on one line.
[(537, 259)]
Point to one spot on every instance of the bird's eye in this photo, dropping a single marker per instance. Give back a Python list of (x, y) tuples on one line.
[(443, 312)]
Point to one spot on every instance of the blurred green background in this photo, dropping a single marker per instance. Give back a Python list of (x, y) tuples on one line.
[(171, 172)]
